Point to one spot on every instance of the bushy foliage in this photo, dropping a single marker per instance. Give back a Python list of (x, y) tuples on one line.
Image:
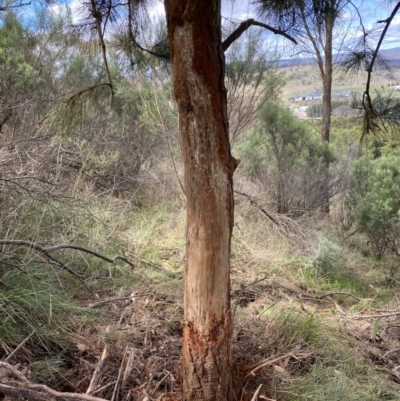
[(316, 109), (285, 156), (375, 202), (329, 261)]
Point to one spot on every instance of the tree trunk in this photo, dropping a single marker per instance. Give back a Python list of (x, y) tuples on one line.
[(327, 99), (327, 78), (194, 30)]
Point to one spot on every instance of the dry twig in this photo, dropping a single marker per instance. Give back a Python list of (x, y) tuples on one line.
[(328, 294), (20, 346), (357, 317), (38, 392), (47, 249), (97, 372), (255, 396)]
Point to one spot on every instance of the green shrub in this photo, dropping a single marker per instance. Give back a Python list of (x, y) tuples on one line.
[(329, 262), (375, 202), (286, 158)]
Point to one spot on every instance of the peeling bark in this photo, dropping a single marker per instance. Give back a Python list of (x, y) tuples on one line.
[(194, 29)]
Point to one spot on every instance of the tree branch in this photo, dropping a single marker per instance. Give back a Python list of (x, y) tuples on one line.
[(46, 251), (387, 22), (246, 25), (366, 100), (14, 6), (39, 392), (20, 346), (17, 393), (97, 16)]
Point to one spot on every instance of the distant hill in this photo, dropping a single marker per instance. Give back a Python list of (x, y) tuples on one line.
[(391, 54), (392, 57)]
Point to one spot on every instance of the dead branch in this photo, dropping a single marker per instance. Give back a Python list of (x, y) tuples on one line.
[(160, 382), (20, 346), (104, 387), (256, 205), (56, 395), (285, 226), (266, 362), (117, 384), (242, 289), (128, 368), (389, 352), (106, 301), (14, 371), (272, 360), (328, 294), (32, 391), (357, 317), (46, 251), (98, 370), (23, 393), (255, 396), (98, 17)]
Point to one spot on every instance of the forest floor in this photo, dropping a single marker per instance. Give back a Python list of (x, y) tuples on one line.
[(316, 316)]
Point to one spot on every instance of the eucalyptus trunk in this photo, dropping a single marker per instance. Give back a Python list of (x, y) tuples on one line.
[(327, 78), (327, 101), (194, 30)]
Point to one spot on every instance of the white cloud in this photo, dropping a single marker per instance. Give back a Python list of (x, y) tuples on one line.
[(77, 11), (157, 10), (237, 10)]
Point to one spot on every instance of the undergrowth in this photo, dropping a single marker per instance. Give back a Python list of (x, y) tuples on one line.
[(295, 303)]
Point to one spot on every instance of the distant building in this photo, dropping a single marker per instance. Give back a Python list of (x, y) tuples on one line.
[(310, 96), (342, 94), (318, 96)]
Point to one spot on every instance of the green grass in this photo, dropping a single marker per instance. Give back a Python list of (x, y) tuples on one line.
[(325, 359)]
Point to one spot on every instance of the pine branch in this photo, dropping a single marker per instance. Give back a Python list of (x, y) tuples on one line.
[(246, 25)]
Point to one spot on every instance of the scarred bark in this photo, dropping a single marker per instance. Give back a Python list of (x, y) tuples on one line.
[(194, 29)]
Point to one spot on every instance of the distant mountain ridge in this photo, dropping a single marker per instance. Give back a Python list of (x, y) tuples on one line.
[(392, 56)]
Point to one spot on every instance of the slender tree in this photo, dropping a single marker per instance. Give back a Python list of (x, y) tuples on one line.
[(198, 70), (315, 23), (198, 65)]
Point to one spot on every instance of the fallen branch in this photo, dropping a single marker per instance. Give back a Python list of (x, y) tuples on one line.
[(242, 289), (128, 368), (44, 249), (266, 362), (23, 393), (39, 392), (62, 396), (356, 317), (20, 346), (389, 352), (256, 205), (272, 360), (98, 370), (344, 293), (255, 396), (117, 384), (106, 301), (285, 226), (47, 249)]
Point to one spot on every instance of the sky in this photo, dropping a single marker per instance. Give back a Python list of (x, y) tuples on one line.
[(371, 11), (238, 10)]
